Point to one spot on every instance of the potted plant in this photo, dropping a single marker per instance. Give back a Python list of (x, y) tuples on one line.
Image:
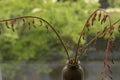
[(73, 70)]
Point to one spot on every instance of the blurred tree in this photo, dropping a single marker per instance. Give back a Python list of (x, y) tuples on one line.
[(104, 4)]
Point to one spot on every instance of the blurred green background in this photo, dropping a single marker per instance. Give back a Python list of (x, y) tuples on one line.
[(41, 45), (68, 17)]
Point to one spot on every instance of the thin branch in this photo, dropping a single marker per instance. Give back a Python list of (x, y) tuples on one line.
[(59, 37), (90, 42), (87, 24)]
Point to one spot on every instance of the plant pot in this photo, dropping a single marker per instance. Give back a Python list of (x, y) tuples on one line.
[(73, 72)]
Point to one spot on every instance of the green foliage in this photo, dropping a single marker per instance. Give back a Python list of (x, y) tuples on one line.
[(67, 17), (114, 3), (36, 44)]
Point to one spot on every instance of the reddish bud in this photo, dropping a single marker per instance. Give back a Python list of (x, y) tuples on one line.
[(33, 22), (111, 32), (83, 38), (112, 60), (104, 19), (0, 30), (12, 26), (83, 33), (111, 28), (95, 15), (104, 29), (93, 20), (108, 66), (87, 24), (6, 23), (29, 25), (99, 16), (110, 77), (98, 32), (23, 20), (104, 63), (119, 28), (106, 16)]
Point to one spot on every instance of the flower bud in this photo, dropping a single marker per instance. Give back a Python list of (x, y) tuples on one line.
[(104, 19), (29, 25), (0, 30), (12, 26), (33, 22), (119, 28), (99, 16), (6, 23)]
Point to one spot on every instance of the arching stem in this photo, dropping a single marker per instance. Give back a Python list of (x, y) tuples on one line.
[(79, 40), (59, 37)]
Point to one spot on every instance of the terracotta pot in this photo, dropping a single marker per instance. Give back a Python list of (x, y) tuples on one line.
[(73, 72)]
